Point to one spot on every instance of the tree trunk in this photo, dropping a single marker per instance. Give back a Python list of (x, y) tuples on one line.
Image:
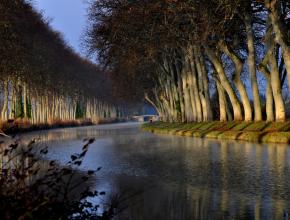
[(153, 104), (252, 68), (270, 58), (200, 85), (24, 98), (280, 32), (225, 83), (195, 84), (180, 92), (191, 95), (4, 112), (191, 90), (276, 87), (269, 93), (237, 80), (206, 89), (188, 109), (12, 112), (222, 101)]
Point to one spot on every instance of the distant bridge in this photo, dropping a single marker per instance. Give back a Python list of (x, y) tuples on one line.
[(144, 118)]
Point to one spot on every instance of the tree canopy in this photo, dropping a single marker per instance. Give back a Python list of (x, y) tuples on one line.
[(42, 78)]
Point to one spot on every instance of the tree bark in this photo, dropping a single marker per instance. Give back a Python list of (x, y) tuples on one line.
[(4, 112), (206, 88), (237, 80), (280, 114), (252, 68), (222, 101), (180, 92), (191, 90), (195, 84), (225, 83), (279, 29), (24, 98), (269, 93), (187, 105), (200, 85)]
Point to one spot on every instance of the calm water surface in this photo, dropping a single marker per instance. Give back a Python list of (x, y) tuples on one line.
[(179, 177)]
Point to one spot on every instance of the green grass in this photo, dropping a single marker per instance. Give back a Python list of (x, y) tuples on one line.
[(263, 132)]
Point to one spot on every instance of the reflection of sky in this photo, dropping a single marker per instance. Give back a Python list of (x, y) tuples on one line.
[(67, 17)]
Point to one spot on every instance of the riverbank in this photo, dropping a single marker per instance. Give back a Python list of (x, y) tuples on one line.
[(263, 132), (22, 126)]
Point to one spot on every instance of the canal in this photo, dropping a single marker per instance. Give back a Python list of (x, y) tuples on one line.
[(170, 177)]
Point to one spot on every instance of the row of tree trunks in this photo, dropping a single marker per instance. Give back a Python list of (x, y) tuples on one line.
[(183, 92), (238, 63), (214, 57), (18, 101), (269, 68), (194, 75)]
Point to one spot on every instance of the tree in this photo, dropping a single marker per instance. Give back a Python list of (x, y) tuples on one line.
[(183, 43)]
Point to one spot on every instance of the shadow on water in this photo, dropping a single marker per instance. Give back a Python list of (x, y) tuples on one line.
[(182, 177)]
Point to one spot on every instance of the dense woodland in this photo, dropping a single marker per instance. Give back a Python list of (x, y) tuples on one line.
[(42, 80), (197, 60)]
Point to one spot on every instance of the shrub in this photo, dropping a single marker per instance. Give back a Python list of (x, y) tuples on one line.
[(34, 188)]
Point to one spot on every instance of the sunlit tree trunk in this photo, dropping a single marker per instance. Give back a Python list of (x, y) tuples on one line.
[(206, 89), (237, 80), (170, 88), (171, 100), (280, 30), (47, 108), (225, 83), (167, 94), (4, 112), (24, 99), (222, 101), (269, 92), (188, 110), (276, 87), (192, 95), (195, 84), (252, 67), (149, 100), (180, 93), (165, 84), (200, 86), (13, 103)]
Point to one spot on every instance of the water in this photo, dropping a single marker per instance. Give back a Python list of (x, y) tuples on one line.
[(178, 178)]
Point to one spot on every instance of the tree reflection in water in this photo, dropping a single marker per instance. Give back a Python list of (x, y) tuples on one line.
[(182, 177)]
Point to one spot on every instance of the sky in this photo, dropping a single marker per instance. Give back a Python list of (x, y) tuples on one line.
[(67, 17)]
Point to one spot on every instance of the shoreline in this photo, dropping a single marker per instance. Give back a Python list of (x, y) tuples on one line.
[(24, 127), (261, 132)]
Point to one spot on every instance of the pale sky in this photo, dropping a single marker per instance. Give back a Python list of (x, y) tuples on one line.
[(67, 17)]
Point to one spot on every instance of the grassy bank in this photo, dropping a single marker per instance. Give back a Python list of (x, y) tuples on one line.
[(263, 132), (19, 126)]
